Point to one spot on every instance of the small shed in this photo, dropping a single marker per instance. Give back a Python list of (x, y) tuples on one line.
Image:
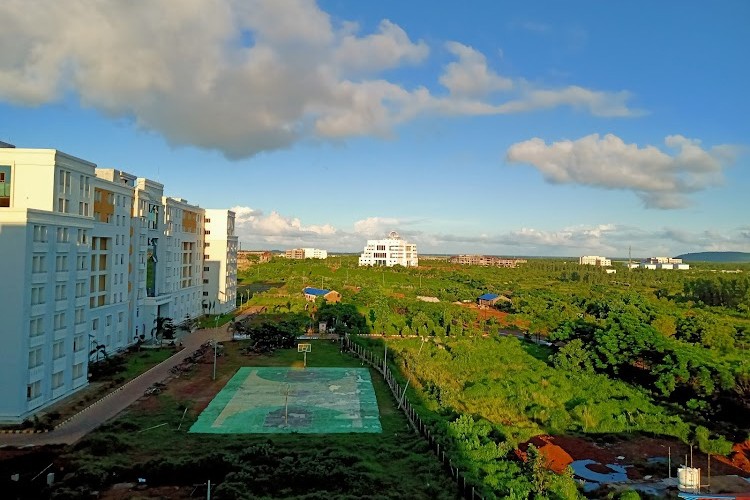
[(313, 293), (488, 299)]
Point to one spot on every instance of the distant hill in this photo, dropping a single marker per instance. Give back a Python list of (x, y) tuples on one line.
[(715, 257)]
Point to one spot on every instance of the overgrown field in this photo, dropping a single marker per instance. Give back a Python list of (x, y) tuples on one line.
[(145, 443)]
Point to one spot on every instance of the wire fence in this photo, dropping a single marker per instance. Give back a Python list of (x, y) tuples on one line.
[(465, 488)]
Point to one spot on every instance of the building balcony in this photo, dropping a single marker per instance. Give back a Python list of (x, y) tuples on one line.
[(38, 278), (60, 334), (36, 373), (38, 309)]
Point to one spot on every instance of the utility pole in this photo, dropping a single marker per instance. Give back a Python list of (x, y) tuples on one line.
[(216, 344)]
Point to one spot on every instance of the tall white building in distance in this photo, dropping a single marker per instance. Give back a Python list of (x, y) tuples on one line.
[(392, 251), (594, 260), (89, 258)]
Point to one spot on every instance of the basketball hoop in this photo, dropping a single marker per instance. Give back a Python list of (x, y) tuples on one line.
[(304, 348)]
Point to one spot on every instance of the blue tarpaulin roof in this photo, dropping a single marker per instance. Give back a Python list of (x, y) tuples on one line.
[(488, 296), (315, 291)]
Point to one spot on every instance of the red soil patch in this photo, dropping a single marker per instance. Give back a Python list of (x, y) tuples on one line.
[(557, 458), (739, 457)]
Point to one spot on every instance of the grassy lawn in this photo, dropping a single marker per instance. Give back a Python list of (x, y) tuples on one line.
[(146, 442), (140, 362), (210, 320)]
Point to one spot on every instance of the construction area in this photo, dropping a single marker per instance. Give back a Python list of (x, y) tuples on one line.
[(271, 400)]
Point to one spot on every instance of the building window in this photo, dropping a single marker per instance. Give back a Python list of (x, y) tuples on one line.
[(58, 379), (36, 327), (59, 321), (77, 371), (205, 294), (4, 186), (33, 390), (58, 350), (62, 235), (61, 263), (38, 264), (37, 295), (79, 318), (78, 343), (35, 357), (40, 234), (61, 292)]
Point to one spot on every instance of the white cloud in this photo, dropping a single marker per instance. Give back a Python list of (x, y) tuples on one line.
[(660, 179), (245, 76), (274, 228), (278, 231), (470, 76)]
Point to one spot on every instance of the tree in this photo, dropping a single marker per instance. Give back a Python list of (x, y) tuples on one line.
[(164, 328)]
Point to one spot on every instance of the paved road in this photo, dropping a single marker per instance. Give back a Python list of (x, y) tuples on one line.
[(98, 413)]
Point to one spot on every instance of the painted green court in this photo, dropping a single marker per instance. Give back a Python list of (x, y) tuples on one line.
[(270, 400)]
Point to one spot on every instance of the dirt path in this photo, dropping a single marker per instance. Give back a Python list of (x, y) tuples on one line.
[(112, 404)]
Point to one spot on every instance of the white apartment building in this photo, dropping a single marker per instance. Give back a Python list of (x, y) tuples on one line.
[(315, 253), (389, 252), (90, 257), (219, 262), (306, 253), (594, 260)]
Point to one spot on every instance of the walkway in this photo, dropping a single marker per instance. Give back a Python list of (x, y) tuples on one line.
[(111, 405)]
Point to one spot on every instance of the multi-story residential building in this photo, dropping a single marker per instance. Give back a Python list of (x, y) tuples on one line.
[(662, 260), (295, 253), (594, 260), (306, 253), (485, 260), (90, 258), (389, 252), (219, 262)]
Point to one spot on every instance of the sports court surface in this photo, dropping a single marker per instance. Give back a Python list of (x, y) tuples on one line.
[(270, 400)]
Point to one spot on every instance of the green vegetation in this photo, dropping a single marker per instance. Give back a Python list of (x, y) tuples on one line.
[(257, 466), (636, 353)]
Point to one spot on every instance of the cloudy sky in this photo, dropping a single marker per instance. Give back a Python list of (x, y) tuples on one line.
[(554, 128)]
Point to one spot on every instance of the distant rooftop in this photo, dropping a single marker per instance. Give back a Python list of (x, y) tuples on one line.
[(488, 296), (315, 291)]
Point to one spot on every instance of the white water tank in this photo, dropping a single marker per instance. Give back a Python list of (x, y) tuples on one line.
[(688, 479)]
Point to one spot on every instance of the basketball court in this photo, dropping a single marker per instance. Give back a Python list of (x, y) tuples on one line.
[(270, 400)]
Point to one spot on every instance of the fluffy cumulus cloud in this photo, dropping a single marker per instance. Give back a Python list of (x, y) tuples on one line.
[(275, 229), (245, 76), (662, 179)]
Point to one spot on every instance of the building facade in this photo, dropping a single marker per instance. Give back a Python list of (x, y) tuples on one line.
[(306, 253), (485, 260), (90, 258), (389, 252), (594, 260), (219, 262)]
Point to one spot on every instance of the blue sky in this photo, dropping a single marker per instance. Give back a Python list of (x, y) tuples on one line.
[(553, 128)]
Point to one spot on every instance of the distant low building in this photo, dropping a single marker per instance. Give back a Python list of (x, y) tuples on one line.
[(313, 293), (662, 260), (594, 260), (485, 260), (389, 252), (306, 253), (425, 298)]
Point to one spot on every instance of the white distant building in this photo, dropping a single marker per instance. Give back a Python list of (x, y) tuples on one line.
[(90, 257), (392, 251), (306, 253), (594, 260)]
